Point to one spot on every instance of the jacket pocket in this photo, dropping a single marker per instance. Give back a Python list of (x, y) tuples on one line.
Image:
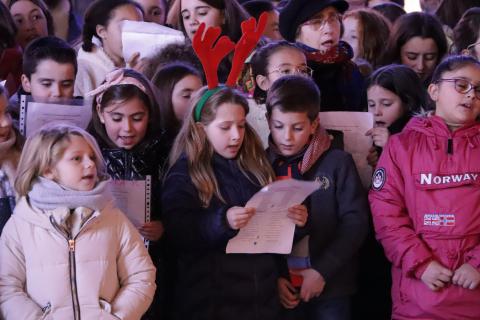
[(106, 310)]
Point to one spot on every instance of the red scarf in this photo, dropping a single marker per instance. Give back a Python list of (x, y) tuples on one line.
[(337, 54), (319, 143)]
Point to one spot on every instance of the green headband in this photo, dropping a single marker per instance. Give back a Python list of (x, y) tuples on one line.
[(203, 100)]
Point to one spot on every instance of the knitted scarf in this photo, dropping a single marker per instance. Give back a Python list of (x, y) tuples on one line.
[(338, 54), (319, 143), (49, 195)]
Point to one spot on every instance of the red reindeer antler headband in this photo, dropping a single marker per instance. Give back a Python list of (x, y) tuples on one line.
[(211, 54)]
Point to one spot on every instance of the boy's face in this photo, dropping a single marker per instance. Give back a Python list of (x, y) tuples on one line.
[(50, 80), (291, 131)]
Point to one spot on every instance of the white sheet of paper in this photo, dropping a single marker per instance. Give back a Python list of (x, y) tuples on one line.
[(133, 198), (37, 114), (147, 38), (270, 230), (353, 125)]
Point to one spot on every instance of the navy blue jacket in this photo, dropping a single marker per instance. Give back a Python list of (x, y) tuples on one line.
[(213, 285), (337, 220)]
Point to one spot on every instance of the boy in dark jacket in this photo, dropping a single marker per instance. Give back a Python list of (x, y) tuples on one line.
[(338, 211)]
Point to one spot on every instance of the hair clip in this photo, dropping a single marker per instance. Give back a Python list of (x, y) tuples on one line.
[(211, 52), (114, 78)]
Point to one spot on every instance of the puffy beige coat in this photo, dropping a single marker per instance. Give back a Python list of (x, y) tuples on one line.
[(113, 275)]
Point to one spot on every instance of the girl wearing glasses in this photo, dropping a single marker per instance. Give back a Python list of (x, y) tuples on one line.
[(269, 63), (316, 27), (425, 201)]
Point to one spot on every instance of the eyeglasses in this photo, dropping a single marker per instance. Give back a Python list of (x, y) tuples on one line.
[(291, 70), (318, 23), (463, 86)]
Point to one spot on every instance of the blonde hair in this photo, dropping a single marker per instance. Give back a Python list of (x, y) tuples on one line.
[(43, 149), (192, 141)]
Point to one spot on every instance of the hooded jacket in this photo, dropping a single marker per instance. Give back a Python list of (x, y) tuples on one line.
[(425, 201), (106, 266)]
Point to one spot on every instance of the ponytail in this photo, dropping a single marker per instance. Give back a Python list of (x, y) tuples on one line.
[(100, 12)]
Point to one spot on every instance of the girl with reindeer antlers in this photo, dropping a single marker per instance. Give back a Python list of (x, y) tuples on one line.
[(217, 164)]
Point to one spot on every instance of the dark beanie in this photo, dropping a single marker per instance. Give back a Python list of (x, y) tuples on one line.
[(297, 12)]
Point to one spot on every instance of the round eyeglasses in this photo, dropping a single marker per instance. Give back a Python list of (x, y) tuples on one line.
[(291, 70), (463, 86)]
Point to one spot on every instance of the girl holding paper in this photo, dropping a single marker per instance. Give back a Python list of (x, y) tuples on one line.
[(217, 165), (67, 252), (125, 123), (101, 50), (395, 93)]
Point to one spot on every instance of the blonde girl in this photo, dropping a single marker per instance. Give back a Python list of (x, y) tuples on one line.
[(217, 164), (67, 252)]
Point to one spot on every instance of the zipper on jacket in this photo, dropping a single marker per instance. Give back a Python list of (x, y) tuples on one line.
[(73, 278), (449, 146), (72, 267)]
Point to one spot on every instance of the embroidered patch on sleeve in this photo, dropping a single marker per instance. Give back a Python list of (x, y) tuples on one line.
[(378, 179)]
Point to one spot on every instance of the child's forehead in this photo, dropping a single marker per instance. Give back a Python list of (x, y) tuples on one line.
[(49, 66), (470, 72), (74, 142), (281, 113), (24, 7)]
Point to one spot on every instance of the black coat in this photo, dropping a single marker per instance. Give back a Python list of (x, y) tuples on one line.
[(213, 285), (337, 221), (342, 86)]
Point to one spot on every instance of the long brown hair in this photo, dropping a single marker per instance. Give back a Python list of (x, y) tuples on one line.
[(370, 22), (192, 141)]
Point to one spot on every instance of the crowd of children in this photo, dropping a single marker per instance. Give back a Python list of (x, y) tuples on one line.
[(214, 119)]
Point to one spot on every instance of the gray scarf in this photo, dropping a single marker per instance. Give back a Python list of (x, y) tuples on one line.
[(49, 195)]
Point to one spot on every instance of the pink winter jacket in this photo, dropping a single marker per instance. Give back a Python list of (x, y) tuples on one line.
[(113, 273), (425, 201)]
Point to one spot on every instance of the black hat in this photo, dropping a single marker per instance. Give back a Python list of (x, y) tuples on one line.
[(297, 12)]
